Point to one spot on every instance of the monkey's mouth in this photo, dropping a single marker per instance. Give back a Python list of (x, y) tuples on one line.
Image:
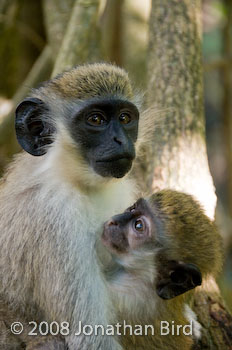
[(125, 157), (114, 240), (117, 166)]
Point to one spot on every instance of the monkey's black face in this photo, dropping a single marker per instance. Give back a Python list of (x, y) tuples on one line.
[(130, 230), (106, 132)]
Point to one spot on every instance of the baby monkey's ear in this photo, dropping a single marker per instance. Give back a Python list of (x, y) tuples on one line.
[(176, 278)]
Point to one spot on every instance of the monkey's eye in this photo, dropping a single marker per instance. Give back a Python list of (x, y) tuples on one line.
[(96, 119), (125, 118), (139, 225)]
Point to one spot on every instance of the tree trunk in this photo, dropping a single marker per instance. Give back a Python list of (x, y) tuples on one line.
[(178, 153), (56, 16), (175, 85), (81, 40), (112, 31)]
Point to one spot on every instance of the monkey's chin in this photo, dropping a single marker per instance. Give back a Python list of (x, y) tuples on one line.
[(113, 249), (117, 168), (112, 240), (105, 240)]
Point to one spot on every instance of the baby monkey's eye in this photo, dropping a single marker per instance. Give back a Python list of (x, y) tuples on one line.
[(139, 225)]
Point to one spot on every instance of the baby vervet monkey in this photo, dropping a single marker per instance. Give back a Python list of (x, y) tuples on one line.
[(162, 247)]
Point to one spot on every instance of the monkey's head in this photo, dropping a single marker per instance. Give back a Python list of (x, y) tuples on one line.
[(131, 230), (139, 232), (87, 115)]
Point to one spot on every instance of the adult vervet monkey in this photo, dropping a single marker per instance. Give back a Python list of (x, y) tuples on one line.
[(162, 247), (80, 131)]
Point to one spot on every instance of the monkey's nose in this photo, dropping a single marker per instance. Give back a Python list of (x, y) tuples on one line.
[(117, 141)]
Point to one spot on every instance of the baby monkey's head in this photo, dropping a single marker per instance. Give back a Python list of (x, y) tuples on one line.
[(151, 228), (131, 230)]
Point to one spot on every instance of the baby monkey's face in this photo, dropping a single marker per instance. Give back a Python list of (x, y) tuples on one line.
[(129, 230), (139, 229)]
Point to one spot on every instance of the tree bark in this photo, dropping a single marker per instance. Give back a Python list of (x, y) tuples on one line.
[(177, 157), (56, 16), (112, 31), (81, 40), (175, 85)]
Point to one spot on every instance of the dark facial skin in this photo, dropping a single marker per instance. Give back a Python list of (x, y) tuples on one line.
[(130, 230), (106, 131)]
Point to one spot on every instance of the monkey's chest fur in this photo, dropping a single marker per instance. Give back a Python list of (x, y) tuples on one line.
[(49, 267)]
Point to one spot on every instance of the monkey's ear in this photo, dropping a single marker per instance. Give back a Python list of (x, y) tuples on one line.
[(177, 278), (33, 131)]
